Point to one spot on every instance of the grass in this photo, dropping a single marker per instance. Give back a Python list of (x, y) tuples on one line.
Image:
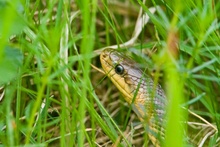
[(51, 96)]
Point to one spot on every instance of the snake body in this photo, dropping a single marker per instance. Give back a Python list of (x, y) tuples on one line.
[(146, 97)]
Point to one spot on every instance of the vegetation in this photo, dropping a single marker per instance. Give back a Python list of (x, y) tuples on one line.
[(51, 95)]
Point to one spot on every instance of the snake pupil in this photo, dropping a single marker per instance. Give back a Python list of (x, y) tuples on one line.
[(119, 69)]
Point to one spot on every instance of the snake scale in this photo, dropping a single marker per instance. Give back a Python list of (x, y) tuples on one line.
[(146, 97)]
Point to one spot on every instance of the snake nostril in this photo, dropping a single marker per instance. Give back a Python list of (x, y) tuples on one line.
[(103, 56)]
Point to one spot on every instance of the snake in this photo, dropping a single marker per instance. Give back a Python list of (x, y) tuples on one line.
[(145, 96)]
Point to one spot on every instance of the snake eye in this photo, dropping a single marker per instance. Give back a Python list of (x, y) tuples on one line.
[(119, 69)]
